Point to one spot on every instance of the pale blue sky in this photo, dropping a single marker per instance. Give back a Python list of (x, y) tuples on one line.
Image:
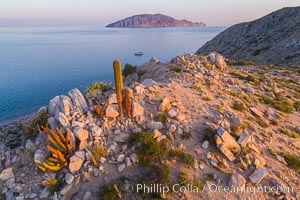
[(102, 12)]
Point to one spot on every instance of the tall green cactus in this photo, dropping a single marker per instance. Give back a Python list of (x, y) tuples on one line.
[(119, 84)]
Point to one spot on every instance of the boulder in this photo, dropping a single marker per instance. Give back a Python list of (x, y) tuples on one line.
[(76, 161), (112, 111), (149, 83), (81, 133), (63, 120), (137, 109), (227, 144), (113, 99), (258, 175), (52, 123), (77, 99), (61, 104), (218, 60), (237, 181)]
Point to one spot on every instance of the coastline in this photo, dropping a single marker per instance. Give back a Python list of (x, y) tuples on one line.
[(18, 119)]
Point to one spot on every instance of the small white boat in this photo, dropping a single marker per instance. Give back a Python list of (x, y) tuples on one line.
[(138, 53)]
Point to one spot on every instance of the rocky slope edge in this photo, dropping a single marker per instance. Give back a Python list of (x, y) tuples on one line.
[(273, 39), (149, 21), (225, 125)]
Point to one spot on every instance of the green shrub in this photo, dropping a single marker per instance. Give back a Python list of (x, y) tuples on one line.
[(53, 185), (184, 157), (162, 117), (99, 86), (293, 161), (244, 62), (98, 152), (150, 149), (109, 192), (239, 107), (33, 128), (176, 69), (262, 124), (140, 73), (129, 69), (283, 106), (272, 151), (183, 178), (206, 98)]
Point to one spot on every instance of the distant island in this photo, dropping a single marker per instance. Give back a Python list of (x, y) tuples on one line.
[(272, 39), (149, 21)]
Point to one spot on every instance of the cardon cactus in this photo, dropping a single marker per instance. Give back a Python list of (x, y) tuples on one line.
[(128, 101), (119, 84)]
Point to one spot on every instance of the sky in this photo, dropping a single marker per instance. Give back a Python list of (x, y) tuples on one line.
[(102, 12)]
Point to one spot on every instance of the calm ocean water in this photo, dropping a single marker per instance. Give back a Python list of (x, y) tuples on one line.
[(37, 64)]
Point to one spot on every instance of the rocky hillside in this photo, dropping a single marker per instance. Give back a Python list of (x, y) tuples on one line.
[(196, 124), (148, 21), (272, 39)]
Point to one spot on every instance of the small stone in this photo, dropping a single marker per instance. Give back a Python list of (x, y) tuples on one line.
[(249, 90), (258, 175), (128, 162), (32, 195), (81, 133), (181, 117), (87, 196), (281, 159), (152, 125), (156, 133), (69, 178), (77, 124), (86, 176), (20, 198), (66, 190), (121, 138), (237, 181), (161, 138), (113, 99), (205, 144), (120, 158), (76, 161), (121, 168), (133, 158), (214, 162), (256, 112), (244, 139), (165, 104), (297, 129), (29, 144), (149, 83), (44, 194), (96, 131), (96, 172), (172, 128), (172, 113), (7, 174)]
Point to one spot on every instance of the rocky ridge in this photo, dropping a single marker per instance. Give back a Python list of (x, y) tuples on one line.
[(272, 39), (150, 21), (235, 136)]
